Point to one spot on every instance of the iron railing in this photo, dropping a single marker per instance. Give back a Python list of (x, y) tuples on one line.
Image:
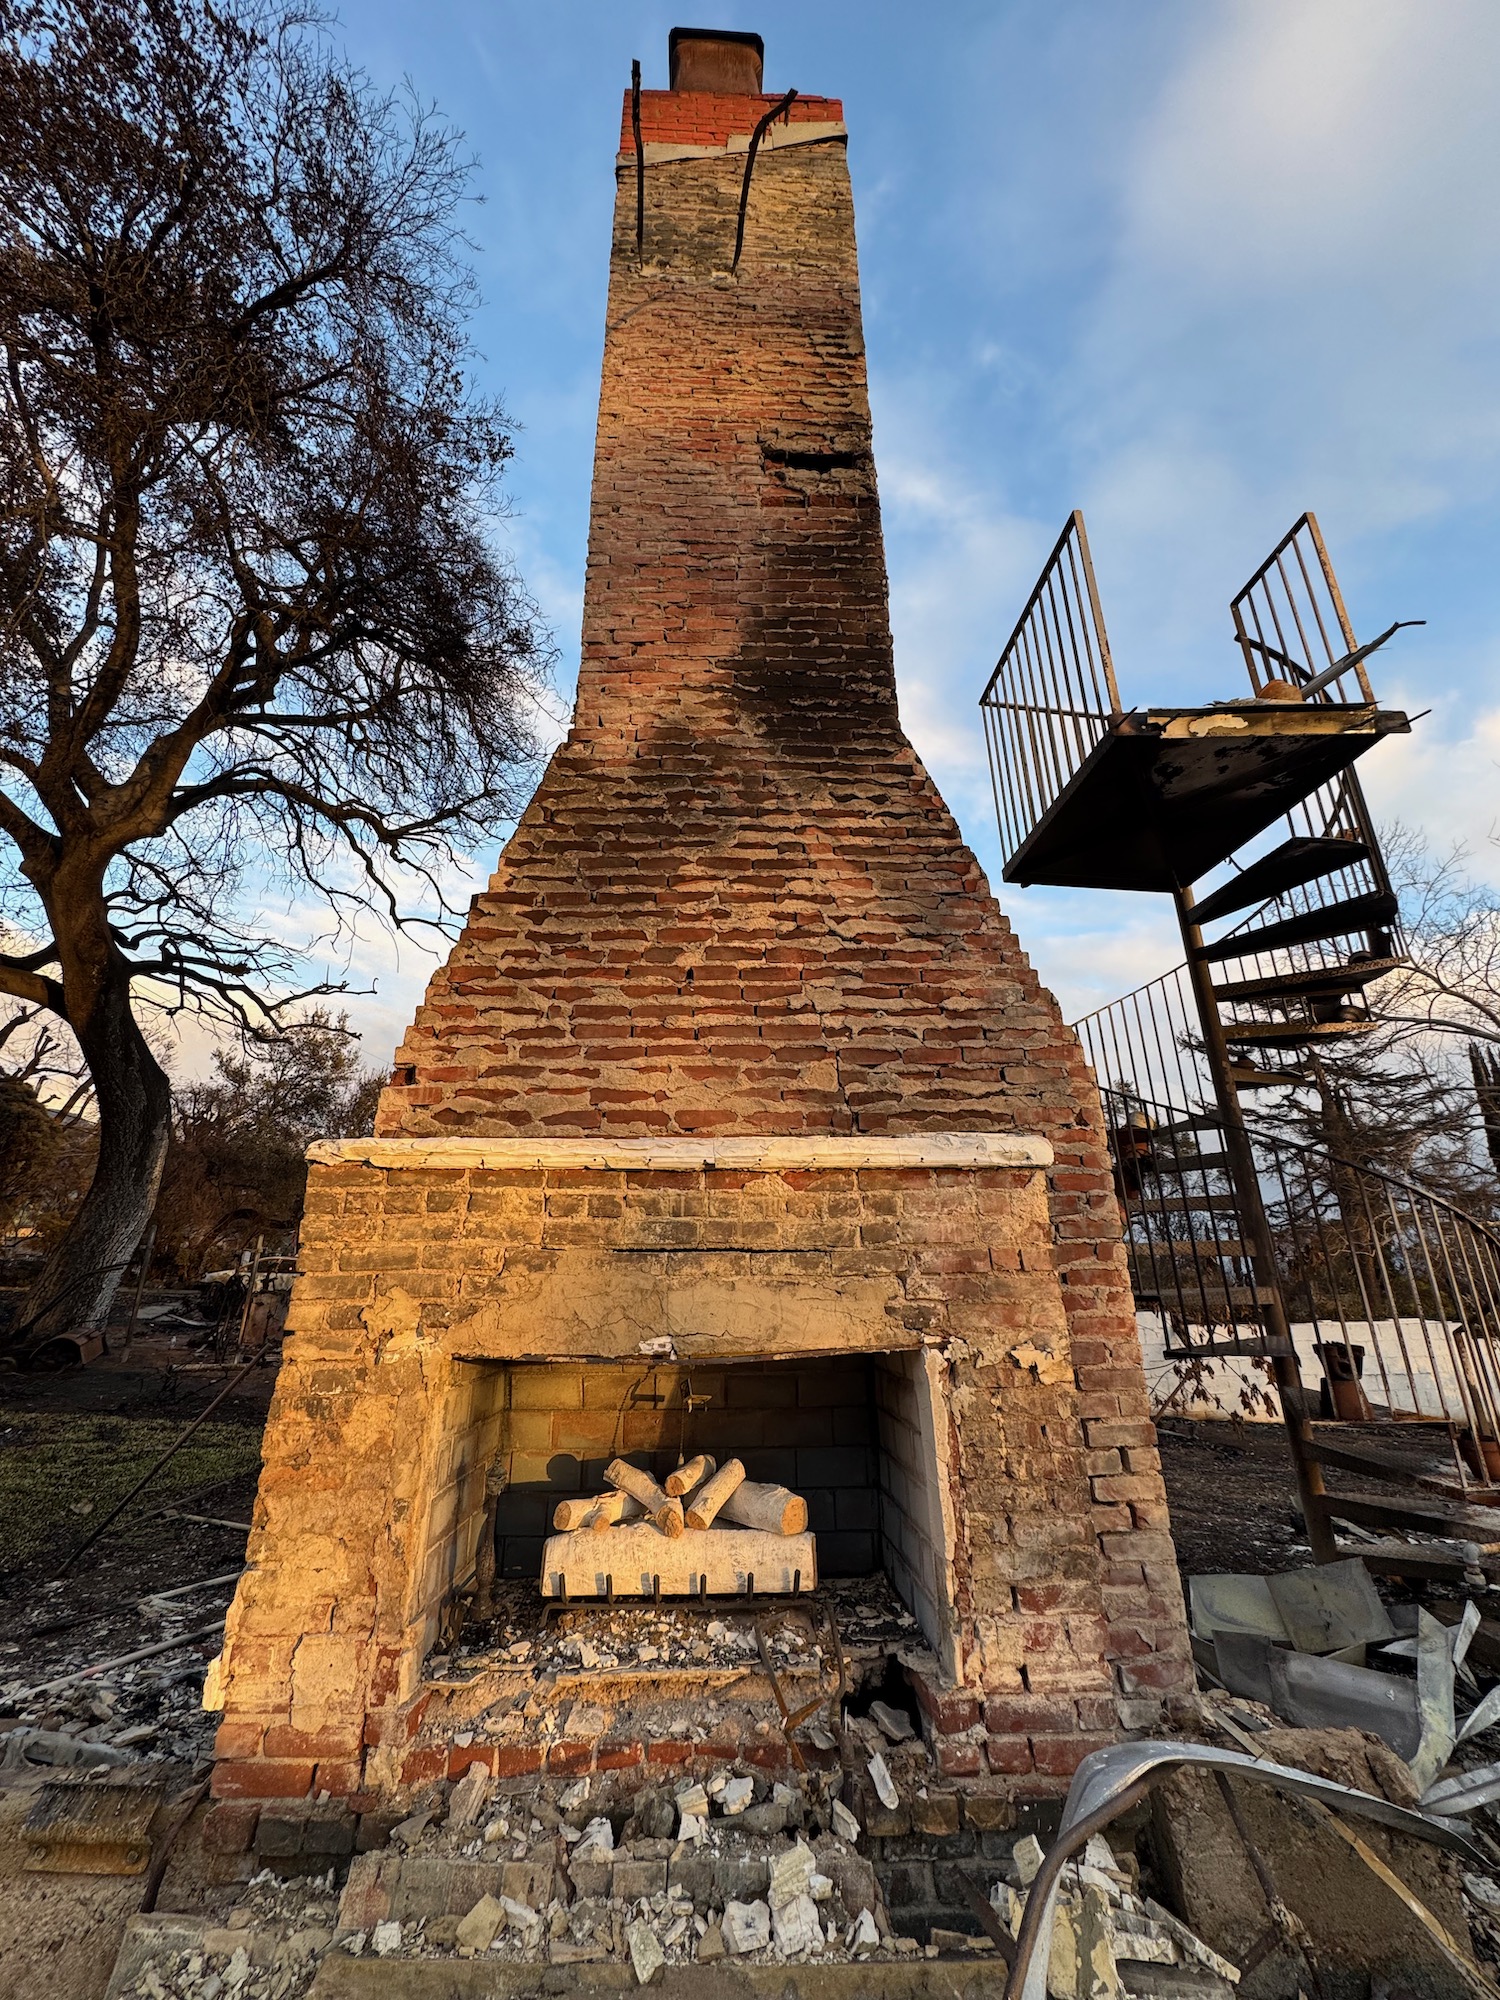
[(1053, 694), (1389, 1290), (1291, 623)]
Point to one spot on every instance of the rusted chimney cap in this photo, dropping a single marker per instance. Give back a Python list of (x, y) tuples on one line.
[(717, 60)]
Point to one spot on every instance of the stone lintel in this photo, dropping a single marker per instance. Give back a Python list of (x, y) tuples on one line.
[(792, 1153)]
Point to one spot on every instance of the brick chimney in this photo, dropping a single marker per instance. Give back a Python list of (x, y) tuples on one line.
[(736, 1062)]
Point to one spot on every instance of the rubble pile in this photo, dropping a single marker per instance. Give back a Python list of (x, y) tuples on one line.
[(1105, 1934), (90, 1712)]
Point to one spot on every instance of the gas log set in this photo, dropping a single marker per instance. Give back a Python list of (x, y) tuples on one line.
[(707, 1532)]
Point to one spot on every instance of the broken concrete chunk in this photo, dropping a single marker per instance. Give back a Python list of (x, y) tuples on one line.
[(884, 1783), (863, 1935), (385, 1939), (735, 1796), (1192, 1945), (573, 1795), (845, 1825), (820, 1738), (692, 1827), (646, 1954), (711, 1945), (746, 1927), (791, 1872), (409, 1831), (598, 1839), (820, 1888), (1099, 1854), (893, 1724), (1008, 1906), (1099, 1977), (480, 1928), (469, 1796), (692, 1799), (797, 1925), (1027, 1855)]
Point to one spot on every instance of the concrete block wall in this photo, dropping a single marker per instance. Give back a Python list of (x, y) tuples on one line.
[(916, 1541)]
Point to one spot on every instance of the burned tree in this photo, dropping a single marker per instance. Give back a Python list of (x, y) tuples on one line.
[(254, 633)]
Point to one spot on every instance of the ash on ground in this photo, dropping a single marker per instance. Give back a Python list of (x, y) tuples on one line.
[(626, 1636)]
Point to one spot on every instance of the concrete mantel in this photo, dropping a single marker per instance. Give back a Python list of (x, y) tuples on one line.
[(842, 1153)]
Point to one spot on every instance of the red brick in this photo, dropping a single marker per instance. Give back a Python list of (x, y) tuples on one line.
[(1028, 1714), (461, 1756), (229, 1826), (515, 1760), (420, 1767), (665, 1751), (949, 1714), (619, 1756), (284, 1741), (261, 1778), (339, 1777), (1008, 1756), (566, 1760), (770, 1756), (238, 1739), (1060, 1756), (959, 1759)]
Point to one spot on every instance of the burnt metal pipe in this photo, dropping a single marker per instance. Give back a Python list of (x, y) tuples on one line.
[(640, 162), (776, 111)]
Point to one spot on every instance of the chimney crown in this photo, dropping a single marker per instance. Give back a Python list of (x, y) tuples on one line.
[(717, 60)]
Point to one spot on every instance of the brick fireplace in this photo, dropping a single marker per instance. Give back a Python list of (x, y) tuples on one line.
[(737, 1119)]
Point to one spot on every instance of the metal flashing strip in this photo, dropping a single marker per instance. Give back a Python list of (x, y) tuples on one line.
[(660, 152), (776, 1153)]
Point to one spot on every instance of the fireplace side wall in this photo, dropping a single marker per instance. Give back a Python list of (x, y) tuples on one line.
[(382, 1425)]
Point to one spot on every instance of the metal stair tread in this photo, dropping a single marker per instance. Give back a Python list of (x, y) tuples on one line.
[(1287, 1034), (1179, 1204), (1296, 861), (1360, 913), (1450, 1519), (1335, 980), (1360, 1457), (1228, 1350)]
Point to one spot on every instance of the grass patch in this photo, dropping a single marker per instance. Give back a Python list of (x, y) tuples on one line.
[(61, 1470)]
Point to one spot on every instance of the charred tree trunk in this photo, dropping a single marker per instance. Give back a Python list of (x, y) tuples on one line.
[(77, 1286)]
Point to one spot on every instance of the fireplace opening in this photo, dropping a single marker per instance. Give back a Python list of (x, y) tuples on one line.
[(853, 1434)]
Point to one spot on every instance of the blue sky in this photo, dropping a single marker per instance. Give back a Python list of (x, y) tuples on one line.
[(1192, 265)]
